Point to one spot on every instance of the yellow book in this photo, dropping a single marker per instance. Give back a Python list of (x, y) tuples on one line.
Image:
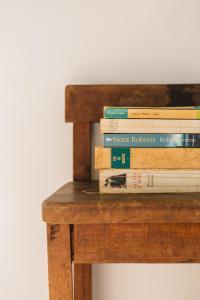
[(185, 112), (147, 158)]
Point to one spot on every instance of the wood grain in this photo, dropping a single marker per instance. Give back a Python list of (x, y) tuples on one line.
[(59, 262), (82, 151), (82, 282), (137, 243), (84, 103), (81, 203)]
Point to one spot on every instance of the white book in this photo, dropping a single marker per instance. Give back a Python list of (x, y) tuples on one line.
[(149, 181), (149, 126)]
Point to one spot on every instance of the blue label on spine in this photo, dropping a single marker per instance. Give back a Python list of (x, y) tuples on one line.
[(159, 140)]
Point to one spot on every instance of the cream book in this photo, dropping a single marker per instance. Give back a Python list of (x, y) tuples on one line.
[(149, 181), (149, 126)]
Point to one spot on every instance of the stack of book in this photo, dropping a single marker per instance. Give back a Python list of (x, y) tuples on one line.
[(149, 150)]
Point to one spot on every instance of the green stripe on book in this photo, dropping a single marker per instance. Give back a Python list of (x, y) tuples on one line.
[(116, 113), (120, 158)]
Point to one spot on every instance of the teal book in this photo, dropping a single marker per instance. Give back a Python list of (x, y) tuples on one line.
[(152, 140)]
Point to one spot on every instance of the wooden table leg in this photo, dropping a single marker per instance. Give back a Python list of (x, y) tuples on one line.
[(82, 282), (59, 262)]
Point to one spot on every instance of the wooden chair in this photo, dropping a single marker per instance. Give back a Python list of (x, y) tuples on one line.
[(85, 228)]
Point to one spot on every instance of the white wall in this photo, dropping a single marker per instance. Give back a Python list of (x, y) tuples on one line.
[(45, 45)]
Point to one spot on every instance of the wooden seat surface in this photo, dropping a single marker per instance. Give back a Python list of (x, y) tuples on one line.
[(81, 203)]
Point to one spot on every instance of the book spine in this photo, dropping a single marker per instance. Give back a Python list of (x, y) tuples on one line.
[(147, 158), (149, 181), (149, 140), (152, 113), (149, 126)]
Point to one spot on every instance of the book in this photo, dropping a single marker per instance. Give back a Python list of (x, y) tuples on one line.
[(186, 112), (149, 181), (147, 158), (154, 140), (149, 126)]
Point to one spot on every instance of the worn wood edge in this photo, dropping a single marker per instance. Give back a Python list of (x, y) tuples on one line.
[(128, 261), (68, 116), (95, 213)]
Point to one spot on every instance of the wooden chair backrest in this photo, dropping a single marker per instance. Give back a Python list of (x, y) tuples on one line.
[(84, 106)]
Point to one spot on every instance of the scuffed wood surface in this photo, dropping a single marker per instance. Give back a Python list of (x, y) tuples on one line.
[(137, 243), (59, 262), (82, 282), (81, 203), (84, 103), (82, 151)]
